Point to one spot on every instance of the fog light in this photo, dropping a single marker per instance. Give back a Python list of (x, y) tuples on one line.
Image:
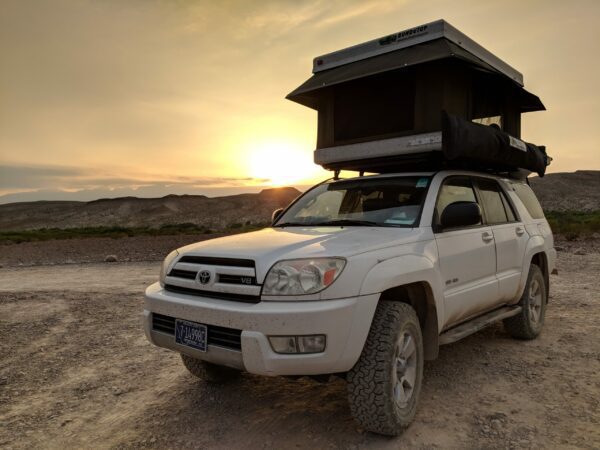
[(311, 344), (283, 344), (298, 344)]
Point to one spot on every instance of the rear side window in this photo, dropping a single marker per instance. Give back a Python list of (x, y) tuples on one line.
[(508, 208), (529, 199), (492, 201)]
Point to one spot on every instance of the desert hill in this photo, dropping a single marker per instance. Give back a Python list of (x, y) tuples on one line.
[(569, 191), (574, 191), (214, 213)]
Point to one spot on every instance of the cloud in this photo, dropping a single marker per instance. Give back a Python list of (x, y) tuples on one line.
[(42, 178), (147, 191), (133, 93)]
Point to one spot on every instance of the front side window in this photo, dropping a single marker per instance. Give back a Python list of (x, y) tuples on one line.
[(392, 202), (455, 189)]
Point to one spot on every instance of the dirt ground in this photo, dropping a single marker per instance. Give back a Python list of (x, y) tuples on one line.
[(90, 250), (77, 372)]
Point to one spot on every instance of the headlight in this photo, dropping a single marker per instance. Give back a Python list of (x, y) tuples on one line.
[(167, 266), (302, 276)]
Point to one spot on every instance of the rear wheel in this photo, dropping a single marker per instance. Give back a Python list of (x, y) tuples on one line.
[(384, 384), (529, 322), (211, 373)]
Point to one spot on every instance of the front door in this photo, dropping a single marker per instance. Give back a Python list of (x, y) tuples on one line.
[(467, 258)]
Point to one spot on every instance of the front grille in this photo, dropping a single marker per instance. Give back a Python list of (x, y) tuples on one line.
[(213, 294), (219, 336), (187, 274), (237, 279), (232, 279), (214, 261)]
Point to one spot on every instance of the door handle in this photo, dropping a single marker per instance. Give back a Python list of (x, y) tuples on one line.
[(487, 236), (520, 231)]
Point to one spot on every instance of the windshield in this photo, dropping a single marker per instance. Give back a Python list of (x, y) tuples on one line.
[(390, 201)]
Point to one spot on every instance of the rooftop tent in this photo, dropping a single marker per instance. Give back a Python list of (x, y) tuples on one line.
[(397, 86)]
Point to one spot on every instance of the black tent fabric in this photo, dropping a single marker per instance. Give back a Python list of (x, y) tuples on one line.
[(488, 146), (307, 93)]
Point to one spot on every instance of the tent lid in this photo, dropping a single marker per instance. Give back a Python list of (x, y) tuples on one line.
[(308, 92), (408, 38)]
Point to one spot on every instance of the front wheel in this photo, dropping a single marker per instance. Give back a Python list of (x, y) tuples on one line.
[(529, 322), (384, 384)]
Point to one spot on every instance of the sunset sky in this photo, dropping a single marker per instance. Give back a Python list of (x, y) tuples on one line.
[(148, 97)]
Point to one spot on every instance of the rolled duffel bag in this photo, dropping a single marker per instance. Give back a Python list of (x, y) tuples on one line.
[(488, 146)]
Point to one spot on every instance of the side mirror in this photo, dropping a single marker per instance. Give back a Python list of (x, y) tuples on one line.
[(460, 214), (276, 214)]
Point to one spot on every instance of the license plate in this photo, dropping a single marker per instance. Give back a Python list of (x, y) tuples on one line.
[(192, 334)]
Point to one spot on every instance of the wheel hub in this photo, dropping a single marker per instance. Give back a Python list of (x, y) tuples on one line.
[(535, 301), (405, 369)]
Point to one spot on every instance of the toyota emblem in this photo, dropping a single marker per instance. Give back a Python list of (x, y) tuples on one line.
[(204, 277)]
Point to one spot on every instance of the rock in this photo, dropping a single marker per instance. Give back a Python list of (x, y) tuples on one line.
[(496, 425), (111, 258), (558, 248), (580, 252)]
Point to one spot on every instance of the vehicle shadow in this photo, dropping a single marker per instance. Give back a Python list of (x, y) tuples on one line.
[(260, 412)]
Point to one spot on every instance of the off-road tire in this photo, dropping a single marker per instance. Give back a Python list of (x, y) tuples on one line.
[(372, 382), (208, 372), (524, 325)]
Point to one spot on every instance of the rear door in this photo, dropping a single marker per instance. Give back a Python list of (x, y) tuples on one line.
[(510, 237), (467, 257)]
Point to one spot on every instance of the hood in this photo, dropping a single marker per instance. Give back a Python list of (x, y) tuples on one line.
[(270, 245)]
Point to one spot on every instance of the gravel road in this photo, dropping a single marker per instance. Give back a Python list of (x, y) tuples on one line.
[(76, 372)]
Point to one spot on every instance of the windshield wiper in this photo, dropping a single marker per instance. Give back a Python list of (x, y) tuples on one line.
[(342, 222), (292, 224), (336, 223)]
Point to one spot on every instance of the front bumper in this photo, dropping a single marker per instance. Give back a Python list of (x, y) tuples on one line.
[(345, 322)]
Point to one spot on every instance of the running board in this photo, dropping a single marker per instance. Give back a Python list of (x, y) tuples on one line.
[(478, 323)]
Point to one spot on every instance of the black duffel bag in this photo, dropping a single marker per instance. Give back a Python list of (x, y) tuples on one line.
[(489, 147)]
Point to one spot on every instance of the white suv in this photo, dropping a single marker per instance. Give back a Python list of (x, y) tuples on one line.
[(363, 278)]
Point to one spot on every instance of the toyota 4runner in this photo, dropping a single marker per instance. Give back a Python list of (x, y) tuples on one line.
[(363, 278)]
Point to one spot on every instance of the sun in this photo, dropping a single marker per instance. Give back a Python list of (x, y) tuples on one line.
[(280, 163)]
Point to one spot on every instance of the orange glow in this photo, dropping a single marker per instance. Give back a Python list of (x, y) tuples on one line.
[(281, 162), (189, 97)]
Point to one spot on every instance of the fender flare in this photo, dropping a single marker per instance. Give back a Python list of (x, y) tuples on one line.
[(418, 269), (535, 245), (403, 270)]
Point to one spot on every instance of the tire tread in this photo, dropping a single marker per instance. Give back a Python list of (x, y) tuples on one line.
[(368, 381), (519, 326)]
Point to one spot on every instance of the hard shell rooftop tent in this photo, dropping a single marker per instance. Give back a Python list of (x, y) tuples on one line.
[(384, 97)]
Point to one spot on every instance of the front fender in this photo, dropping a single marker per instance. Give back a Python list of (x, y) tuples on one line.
[(403, 270)]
